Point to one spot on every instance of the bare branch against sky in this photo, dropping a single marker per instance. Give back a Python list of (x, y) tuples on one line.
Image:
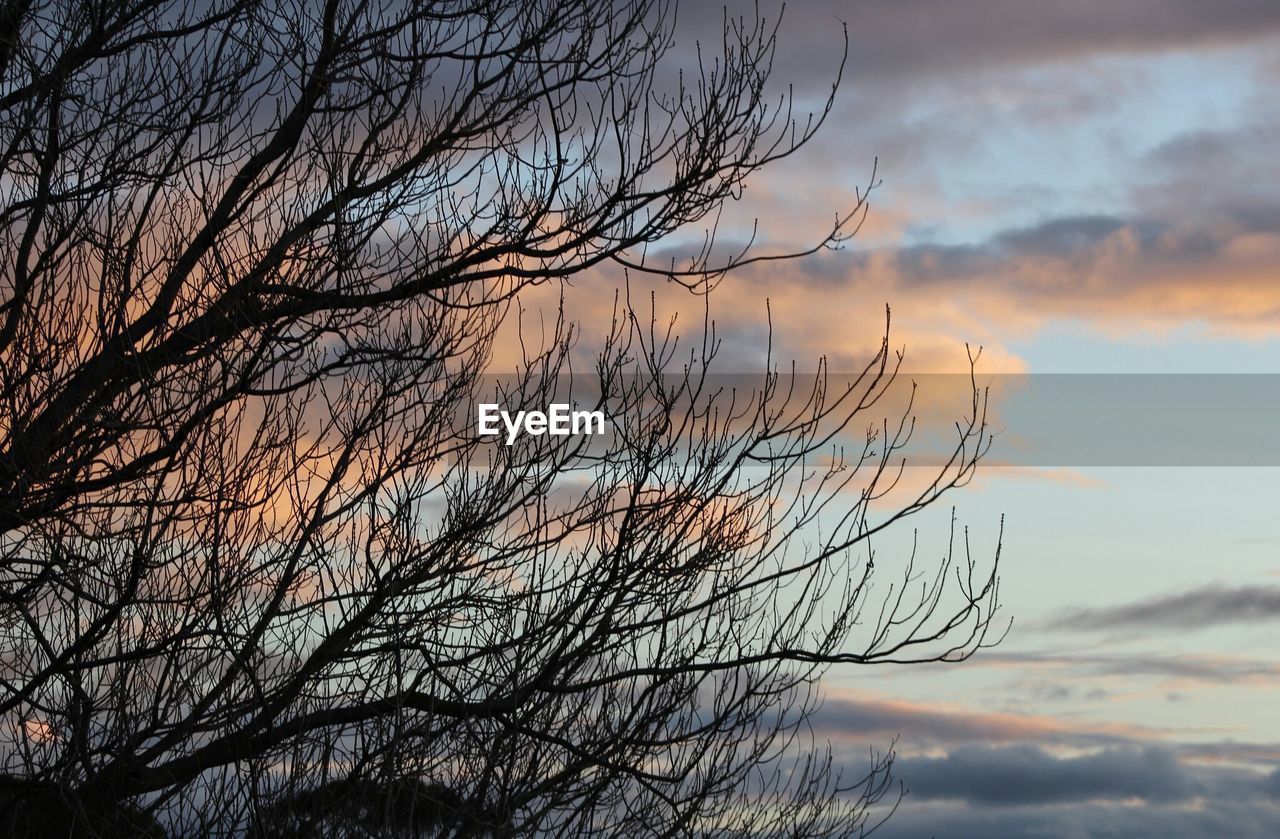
[(260, 572)]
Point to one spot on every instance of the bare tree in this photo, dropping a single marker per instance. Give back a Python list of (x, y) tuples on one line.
[(259, 574)]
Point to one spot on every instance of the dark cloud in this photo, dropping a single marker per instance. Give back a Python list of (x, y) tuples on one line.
[(1199, 668), (1131, 792), (1125, 791), (1256, 819), (1008, 775), (929, 263), (908, 37), (1101, 266), (1214, 178), (897, 41), (1199, 609), (1076, 241), (912, 36), (1027, 774), (1217, 150), (1060, 237)]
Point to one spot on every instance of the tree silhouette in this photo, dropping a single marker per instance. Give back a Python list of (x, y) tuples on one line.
[(258, 572)]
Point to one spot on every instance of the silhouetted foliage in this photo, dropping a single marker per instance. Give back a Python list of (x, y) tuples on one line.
[(258, 572), (364, 807), (48, 810)]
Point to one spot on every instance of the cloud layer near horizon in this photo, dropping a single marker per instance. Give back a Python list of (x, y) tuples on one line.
[(1015, 775)]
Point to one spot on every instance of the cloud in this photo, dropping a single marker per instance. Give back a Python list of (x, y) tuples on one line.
[(1213, 605), (915, 37), (1028, 774), (1085, 244), (1156, 227), (1041, 691), (1214, 265), (1188, 230), (862, 718), (972, 773), (1254, 819), (1182, 668), (1230, 156), (1139, 271)]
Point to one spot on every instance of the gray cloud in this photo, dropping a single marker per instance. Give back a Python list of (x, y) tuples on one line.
[(928, 36), (1127, 791), (1078, 241), (1215, 150), (914, 36), (1027, 774), (1200, 668), (1130, 789), (910, 36), (1060, 237), (1209, 669), (1256, 819), (1199, 609), (980, 774), (897, 39)]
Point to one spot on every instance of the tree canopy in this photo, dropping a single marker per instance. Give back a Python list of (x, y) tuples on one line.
[(258, 572)]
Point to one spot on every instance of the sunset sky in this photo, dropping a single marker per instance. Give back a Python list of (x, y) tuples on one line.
[(277, 269), (1079, 187)]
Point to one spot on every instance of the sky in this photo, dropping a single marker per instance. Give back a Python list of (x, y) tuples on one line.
[(1089, 192), (1079, 188)]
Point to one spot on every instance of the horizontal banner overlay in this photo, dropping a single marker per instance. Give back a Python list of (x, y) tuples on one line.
[(1051, 419)]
